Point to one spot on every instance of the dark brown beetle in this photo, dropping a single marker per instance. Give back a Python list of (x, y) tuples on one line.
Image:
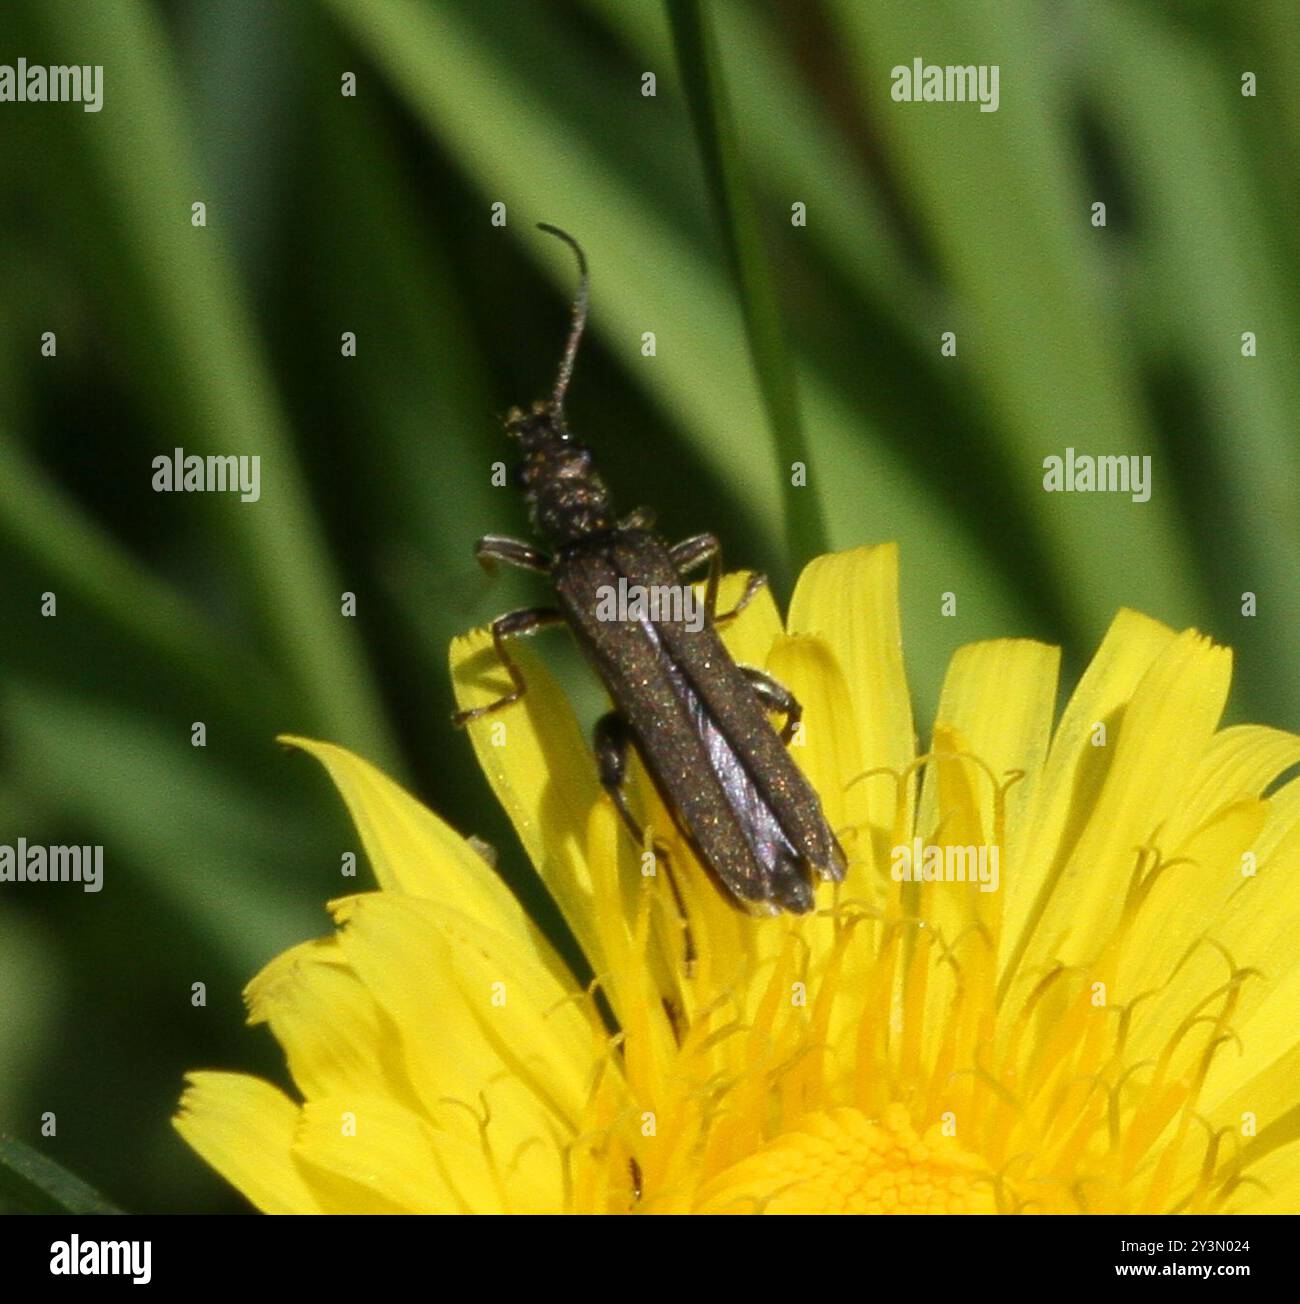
[(696, 718)]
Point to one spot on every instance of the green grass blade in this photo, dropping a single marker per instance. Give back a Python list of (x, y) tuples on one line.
[(1004, 205), (32, 1183), (797, 152), (178, 827), (702, 76), (78, 560), (1217, 267), (181, 302)]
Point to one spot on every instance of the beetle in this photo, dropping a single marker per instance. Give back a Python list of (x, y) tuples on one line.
[(698, 720)]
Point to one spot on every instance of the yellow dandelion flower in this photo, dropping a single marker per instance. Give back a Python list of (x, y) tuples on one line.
[(1059, 976)]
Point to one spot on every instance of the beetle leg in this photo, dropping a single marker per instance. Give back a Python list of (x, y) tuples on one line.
[(512, 625), (639, 518), (492, 548), (756, 584), (694, 552), (612, 737), (776, 697)]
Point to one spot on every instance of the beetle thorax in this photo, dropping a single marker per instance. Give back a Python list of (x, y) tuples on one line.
[(566, 497)]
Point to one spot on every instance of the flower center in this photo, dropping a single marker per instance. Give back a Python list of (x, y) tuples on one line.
[(844, 1162)]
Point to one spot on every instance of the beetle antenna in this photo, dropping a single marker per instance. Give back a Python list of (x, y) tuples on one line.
[(579, 317)]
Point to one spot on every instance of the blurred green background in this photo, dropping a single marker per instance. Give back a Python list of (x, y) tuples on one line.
[(372, 214)]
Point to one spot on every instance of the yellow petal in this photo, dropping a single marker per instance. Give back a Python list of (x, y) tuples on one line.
[(999, 698), (1207, 891), (367, 1155), (1142, 717), (1164, 732), (1273, 1186), (333, 1034), (244, 1128), (1260, 1110), (749, 636), (410, 849), (1075, 769), (1176, 912), (541, 770), (1257, 1123), (1257, 928), (826, 747), (476, 1012), (1240, 762), (851, 599)]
